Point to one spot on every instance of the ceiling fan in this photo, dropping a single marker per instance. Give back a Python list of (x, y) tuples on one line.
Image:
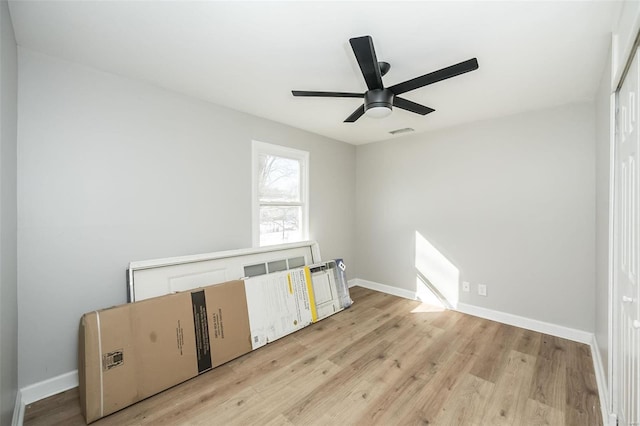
[(378, 100)]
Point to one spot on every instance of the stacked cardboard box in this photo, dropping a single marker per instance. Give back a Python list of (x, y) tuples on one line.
[(130, 352)]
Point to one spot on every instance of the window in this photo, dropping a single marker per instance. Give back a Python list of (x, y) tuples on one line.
[(280, 194)]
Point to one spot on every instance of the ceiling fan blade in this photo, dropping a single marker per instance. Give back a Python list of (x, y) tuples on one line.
[(411, 106), (327, 94), (434, 77), (366, 57), (355, 115)]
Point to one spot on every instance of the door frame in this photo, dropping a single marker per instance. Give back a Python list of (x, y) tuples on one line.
[(613, 99)]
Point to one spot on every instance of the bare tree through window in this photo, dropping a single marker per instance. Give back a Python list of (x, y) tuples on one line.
[(280, 198)]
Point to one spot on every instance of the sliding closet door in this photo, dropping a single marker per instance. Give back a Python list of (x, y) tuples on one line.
[(626, 306)]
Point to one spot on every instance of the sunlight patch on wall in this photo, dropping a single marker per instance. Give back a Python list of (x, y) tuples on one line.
[(437, 279)]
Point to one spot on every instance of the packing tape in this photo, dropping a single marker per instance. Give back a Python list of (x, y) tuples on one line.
[(100, 363), (312, 299)]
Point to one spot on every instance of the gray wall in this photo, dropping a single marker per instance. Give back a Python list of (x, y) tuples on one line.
[(603, 128), (112, 170), (8, 215), (509, 202)]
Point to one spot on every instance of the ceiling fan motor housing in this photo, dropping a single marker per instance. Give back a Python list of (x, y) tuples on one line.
[(378, 98)]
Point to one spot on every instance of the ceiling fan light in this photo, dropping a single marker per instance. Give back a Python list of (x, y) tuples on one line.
[(378, 112), (378, 102)]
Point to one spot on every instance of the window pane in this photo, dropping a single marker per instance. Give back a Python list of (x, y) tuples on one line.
[(280, 224), (253, 270), (279, 179)]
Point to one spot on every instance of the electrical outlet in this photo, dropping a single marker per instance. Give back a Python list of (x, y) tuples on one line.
[(466, 287), (482, 289)]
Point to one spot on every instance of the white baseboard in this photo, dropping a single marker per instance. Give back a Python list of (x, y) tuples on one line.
[(41, 390), (383, 288), (608, 418), (49, 387), (502, 317), (18, 411), (528, 323)]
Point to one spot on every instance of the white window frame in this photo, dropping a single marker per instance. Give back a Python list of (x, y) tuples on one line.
[(258, 148)]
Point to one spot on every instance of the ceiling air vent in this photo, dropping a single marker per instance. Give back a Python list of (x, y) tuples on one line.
[(401, 131)]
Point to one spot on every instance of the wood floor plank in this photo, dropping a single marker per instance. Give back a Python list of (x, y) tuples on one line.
[(478, 346), (217, 385), (506, 406), (324, 398), (279, 420), (463, 406), (528, 342), (222, 413), (64, 410), (433, 357), (583, 406), (582, 389), (274, 355), (353, 351), (408, 352), (554, 347), (539, 414), (324, 333), (549, 382), (384, 361), (426, 404), (401, 391), (359, 400), (492, 359), (279, 393)]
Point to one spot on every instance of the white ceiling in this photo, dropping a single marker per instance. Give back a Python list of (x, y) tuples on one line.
[(248, 56)]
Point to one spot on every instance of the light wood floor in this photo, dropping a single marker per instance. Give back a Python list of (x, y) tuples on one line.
[(386, 361)]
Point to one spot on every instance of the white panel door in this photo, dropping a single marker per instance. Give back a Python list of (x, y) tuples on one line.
[(626, 306), (158, 277)]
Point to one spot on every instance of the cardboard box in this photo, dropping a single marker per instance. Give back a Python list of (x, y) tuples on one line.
[(130, 352)]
